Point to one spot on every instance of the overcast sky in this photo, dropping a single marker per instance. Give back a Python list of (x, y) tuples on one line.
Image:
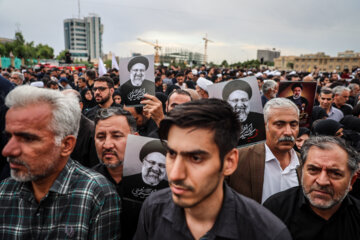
[(238, 28)]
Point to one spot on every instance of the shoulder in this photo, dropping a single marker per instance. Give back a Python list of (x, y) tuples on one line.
[(253, 148), (90, 182), (161, 197), (281, 201), (257, 218), (9, 186)]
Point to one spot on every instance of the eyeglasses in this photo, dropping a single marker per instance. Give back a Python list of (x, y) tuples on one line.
[(101, 89)]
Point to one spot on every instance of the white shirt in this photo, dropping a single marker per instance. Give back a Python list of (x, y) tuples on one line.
[(275, 178)]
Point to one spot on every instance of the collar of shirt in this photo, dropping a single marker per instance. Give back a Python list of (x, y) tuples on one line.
[(304, 203), (294, 161), (61, 184), (224, 226)]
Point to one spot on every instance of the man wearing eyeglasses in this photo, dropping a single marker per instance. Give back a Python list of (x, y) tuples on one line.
[(103, 90)]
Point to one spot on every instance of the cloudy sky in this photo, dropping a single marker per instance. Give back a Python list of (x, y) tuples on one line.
[(237, 27)]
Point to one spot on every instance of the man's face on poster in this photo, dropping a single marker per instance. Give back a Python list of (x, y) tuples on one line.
[(137, 74), (239, 100), (153, 169), (297, 92)]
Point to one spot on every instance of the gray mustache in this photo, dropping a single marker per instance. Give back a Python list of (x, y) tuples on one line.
[(287, 139)]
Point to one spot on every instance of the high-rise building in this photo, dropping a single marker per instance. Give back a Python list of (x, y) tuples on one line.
[(83, 37)]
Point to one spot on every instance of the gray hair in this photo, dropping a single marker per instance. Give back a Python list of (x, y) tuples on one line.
[(66, 112), (278, 103), (352, 86), (105, 113), (339, 90), (20, 75), (327, 143), (268, 84)]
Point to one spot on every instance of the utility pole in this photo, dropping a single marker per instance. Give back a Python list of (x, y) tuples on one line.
[(205, 49), (79, 9)]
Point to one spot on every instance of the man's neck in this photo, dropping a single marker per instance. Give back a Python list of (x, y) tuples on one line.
[(201, 218), (325, 213), (284, 157), (42, 186), (116, 173), (328, 109), (337, 105), (107, 104)]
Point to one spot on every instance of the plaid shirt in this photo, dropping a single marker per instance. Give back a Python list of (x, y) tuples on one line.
[(81, 204)]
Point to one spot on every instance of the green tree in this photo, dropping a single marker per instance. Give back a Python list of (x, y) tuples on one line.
[(224, 63), (44, 51), (61, 55), (21, 49)]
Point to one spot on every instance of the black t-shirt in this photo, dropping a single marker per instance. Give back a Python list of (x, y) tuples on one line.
[(294, 210), (132, 95), (239, 218)]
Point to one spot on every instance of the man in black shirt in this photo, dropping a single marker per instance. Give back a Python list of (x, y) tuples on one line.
[(201, 151), (103, 90), (341, 95), (112, 126), (322, 208)]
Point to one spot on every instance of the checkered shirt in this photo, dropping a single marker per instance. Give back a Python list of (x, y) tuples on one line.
[(81, 204)]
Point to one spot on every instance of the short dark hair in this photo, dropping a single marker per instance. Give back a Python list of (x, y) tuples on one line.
[(91, 74), (326, 143), (105, 113), (108, 80), (326, 90), (180, 92), (213, 114)]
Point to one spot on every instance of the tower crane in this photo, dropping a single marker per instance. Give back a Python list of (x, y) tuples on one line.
[(205, 48), (156, 46)]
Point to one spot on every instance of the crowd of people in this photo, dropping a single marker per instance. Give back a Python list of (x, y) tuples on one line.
[(64, 135)]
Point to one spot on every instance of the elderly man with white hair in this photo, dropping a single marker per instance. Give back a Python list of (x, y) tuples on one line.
[(17, 78), (341, 96), (268, 168), (50, 196)]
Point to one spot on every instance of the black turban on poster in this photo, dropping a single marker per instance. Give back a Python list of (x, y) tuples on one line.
[(236, 85), (138, 59), (150, 147)]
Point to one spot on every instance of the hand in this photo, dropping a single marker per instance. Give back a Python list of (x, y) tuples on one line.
[(153, 108)]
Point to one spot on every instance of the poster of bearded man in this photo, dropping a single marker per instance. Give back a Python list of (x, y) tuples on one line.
[(303, 95), (136, 79), (244, 96), (144, 167)]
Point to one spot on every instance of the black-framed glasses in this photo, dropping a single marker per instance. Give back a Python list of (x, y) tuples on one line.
[(101, 89)]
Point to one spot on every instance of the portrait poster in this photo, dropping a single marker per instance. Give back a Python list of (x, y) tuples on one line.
[(303, 95), (244, 96), (144, 167), (136, 78)]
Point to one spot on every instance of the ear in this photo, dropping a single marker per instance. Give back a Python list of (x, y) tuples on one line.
[(166, 106), (353, 179), (67, 145), (112, 91), (231, 160)]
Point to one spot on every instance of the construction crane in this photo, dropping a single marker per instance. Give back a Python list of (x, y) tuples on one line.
[(205, 49), (157, 47)]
